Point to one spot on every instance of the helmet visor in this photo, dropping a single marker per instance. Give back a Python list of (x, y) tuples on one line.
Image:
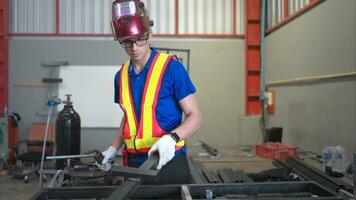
[(123, 9)]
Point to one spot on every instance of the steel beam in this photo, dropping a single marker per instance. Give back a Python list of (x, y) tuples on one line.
[(224, 176), (279, 163), (40, 194), (144, 172), (129, 172), (195, 171), (150, 163), (212, 151), (185, 194), (210, 176), (241, 176), (125, 190), (271, 190), (316, 175), (74, 192), (136, 177)]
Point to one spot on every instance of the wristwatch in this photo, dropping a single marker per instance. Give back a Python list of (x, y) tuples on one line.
[(175, 136)]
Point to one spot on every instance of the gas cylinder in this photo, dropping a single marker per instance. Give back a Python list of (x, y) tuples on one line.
[(67, 133)]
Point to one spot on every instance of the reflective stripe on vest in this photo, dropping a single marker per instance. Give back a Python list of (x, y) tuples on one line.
[(148, 131)]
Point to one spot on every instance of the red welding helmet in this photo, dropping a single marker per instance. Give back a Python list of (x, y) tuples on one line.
[(129, 19)]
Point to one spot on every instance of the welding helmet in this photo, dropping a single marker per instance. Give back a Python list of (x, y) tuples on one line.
[(129, 19)]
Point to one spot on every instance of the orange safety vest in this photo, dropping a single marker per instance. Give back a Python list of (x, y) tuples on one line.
[(141, 137)]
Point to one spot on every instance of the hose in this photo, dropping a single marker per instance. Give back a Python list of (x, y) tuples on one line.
[(44, 142)]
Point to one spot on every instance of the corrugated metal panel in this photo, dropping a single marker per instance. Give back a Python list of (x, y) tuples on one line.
[(162, 12), (240, 17), (296, 5), (275, 10), (32, 16), (85, 16), (94, 16), (210, 16)]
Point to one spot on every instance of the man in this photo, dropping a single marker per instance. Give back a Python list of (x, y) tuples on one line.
[(153, 89)]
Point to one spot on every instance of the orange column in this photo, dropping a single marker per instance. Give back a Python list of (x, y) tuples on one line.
[(3, 54), (253, 56), (4, 63)]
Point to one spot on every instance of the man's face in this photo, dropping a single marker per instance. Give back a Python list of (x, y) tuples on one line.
[(137, 48)]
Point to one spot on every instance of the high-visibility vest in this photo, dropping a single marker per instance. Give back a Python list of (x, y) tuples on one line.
[(141, 137)]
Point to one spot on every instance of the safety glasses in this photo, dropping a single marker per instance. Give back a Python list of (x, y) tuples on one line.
[(139, 42)]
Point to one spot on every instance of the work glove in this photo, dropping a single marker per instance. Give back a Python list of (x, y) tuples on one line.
[(104, 167), (109, 156), (166, 149)]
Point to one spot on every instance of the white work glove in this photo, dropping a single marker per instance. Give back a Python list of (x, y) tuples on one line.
[(166, 149), (109, 154), (104, 167)]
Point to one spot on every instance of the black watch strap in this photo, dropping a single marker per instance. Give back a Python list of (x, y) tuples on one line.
[(175, 137)]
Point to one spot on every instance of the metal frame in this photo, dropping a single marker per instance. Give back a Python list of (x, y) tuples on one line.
[(311, 173), (273, 190), (257, 190), (136, 177), (126, 190)]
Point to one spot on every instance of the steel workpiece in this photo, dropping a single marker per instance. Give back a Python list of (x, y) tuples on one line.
[(268, 190)]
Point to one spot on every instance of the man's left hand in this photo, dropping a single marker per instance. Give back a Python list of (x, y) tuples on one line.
[(166, 149)]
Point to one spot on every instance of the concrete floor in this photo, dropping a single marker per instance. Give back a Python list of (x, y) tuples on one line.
[(15, 189)]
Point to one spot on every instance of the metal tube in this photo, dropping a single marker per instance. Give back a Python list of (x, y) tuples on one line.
[(263, 70), (311, 78), (57, 180), (70, 156), (212, 151), (44, 143)]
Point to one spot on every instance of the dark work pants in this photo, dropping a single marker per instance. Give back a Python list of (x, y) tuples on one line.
[(176, 171)]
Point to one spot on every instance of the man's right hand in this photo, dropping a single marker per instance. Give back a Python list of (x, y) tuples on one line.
[(109, 154)]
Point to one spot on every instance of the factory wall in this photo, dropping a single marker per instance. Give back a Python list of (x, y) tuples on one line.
[(217, 70), (320, 42)]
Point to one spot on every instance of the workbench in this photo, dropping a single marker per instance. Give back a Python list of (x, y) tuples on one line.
[(224, 178)]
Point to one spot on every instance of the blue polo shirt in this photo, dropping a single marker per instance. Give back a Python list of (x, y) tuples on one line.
[(176, 85)]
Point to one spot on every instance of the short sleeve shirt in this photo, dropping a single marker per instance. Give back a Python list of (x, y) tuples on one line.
[(176, 84)]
